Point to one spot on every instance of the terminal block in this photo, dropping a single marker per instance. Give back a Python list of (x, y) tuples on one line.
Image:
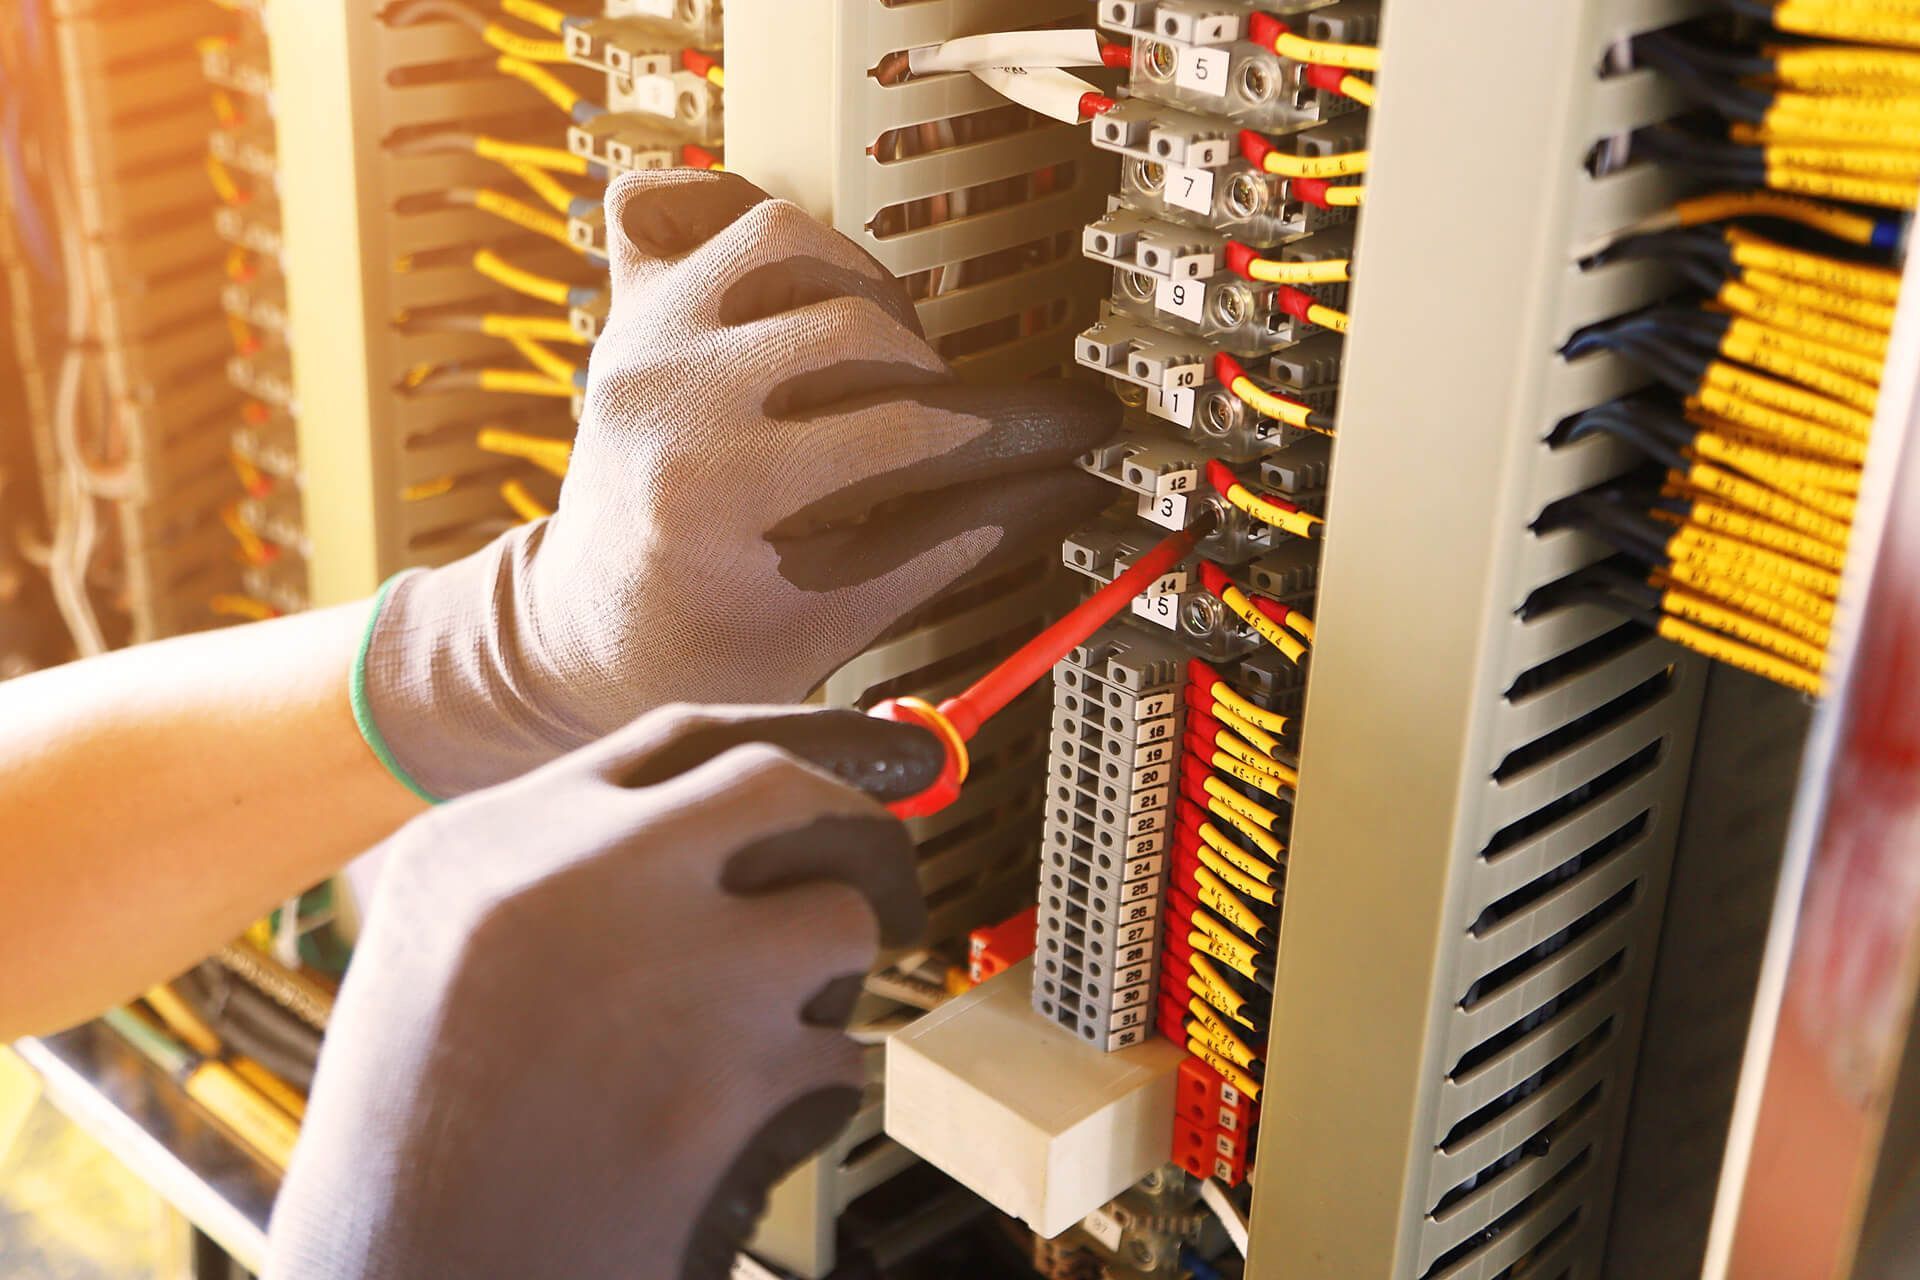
[(261, 304), (248, 149), (1169, 376), (1195, 22), (1112, 767), (699, 21), (238, 65), (1243, 82), (254, 226), (1162, 135), (628, 141), (1235, 198), (267, 377), (1245, 317), (1166, 476), (589, 318), (587, 229)]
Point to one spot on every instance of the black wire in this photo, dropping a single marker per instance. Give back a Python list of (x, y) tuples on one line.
[(1731, 100), (271, 1043)]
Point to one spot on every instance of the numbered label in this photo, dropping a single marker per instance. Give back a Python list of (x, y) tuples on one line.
[(1156, 704), (1105, 1228), (1168, 510), (655, 95), (1175, 406), (1190, 188), (1184, 298), (1203, 70), (1176, 482)]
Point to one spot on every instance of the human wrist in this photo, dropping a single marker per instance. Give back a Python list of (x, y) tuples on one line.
[(450, 689)]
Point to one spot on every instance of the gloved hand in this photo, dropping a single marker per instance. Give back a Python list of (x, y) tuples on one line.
[(596, 1012), (773, 468)]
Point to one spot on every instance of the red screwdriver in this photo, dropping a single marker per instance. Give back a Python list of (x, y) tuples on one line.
[(956, 720)]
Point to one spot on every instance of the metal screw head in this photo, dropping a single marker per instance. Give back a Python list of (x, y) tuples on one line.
[(1157, 61), (1246, 194), (1201, 615), (1153, 1181), (1219, 413), (1256, 82), (1232, 305), (1137, 285), (1148, 176)]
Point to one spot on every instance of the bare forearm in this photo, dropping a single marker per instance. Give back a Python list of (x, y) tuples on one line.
[(156, 801)]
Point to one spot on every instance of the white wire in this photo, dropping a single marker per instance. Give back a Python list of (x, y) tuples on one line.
[(1048, 90), (76, 526), (1216, 1198), (1072, 48)]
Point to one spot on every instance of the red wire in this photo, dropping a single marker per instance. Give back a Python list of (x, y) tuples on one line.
[(969, 710)]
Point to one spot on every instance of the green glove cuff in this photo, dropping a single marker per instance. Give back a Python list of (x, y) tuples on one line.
[(363, 711)]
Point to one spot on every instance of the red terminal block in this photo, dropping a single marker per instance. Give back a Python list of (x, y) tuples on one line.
[(1210, 1153), (1203, 1099), (993, 949)]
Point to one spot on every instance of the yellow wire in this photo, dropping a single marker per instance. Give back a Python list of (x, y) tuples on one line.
[(551, 456), (557, 159), (1833, 186), (1743, 656), (1346, 197), (1839, 223), (515, 45), (523, 382), (522, 215), (1850, 22), (524, 504), (546, 186), (1342, 165), (1361, 91), (1872, 284), (1815, 66), (1300, 524), (1269, 630), (1274, 271), (532, 12), (1774, 394), (542, 81), (1265, 403), (1353, 57), (1876, 316), (550, 363), (539, 328), (1272, 721), (501, 272), (1857, 367), (1744, 299), (1327, 318)]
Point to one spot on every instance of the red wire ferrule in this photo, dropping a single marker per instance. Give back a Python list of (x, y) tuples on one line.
[(1116, 55), (1311, 190), (1255, 149), (1221, 477), (1095, 104), (1295, 302), (1198, 672), (1215, 578), (1265, 30), (1272, 608), (1240, 260), (698, 157), (1324, 78), (697, 62)]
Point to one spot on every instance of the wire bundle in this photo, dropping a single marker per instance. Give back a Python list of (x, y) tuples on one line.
[(1229, 871), (1764, 383)]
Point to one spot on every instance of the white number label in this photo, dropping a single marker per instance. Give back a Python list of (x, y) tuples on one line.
[(1176, 482), (655, 95), (1168, 510), (1184, 298), (1105, 1228), (1175, 406), (1203, 70), (1190, 188)]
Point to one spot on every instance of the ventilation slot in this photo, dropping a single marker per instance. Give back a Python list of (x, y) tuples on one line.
[(1517, 1215), (1477, 1120), (1627, 771), (1533, 957), (1523, 1267), (1567, 1002), (1578, 661), (1526, 895), (1590, 725)]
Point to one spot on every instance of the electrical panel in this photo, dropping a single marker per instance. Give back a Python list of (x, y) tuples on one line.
[(115, 268), (1332, 873)]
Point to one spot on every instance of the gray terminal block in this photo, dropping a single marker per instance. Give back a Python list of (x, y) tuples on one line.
[(1112, 764)]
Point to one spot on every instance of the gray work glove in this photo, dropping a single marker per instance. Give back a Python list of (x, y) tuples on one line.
[(773, 468), (596, 1012)]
